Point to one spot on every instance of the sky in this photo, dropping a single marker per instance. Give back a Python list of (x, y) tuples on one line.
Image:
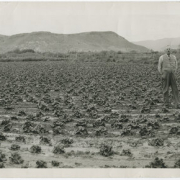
[(135, 21)]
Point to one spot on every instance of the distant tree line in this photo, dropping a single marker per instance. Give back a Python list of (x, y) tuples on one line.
[(18, 51), (103, 56)]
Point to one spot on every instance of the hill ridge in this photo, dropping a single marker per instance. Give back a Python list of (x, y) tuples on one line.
[(44, 41), (160, 44)]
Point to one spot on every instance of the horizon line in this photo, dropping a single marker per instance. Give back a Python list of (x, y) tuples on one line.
[(87, 32)]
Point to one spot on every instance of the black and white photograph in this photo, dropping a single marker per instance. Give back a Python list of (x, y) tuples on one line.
[(89, 85)]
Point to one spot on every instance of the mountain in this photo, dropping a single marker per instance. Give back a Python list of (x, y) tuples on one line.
[(160, 44), (50, 42), (2, 38)]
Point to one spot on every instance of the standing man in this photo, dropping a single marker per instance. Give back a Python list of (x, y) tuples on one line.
[(167, 67)]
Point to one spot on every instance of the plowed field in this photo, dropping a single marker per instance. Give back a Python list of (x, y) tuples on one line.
[(82, 115)]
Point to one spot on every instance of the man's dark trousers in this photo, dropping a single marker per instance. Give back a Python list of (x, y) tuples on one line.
[(168, 79)]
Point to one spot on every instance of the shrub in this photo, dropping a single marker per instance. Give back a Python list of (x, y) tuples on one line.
[(20, 139), (45, 140), (15, 147), (41, 164), (2, 157), (2, 165), (16, 158), (55, 163), (157, 142), (177, 164), (2, 137), (59, 149), (35, 149), (81, 131), (106, 150), (157, 163)]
